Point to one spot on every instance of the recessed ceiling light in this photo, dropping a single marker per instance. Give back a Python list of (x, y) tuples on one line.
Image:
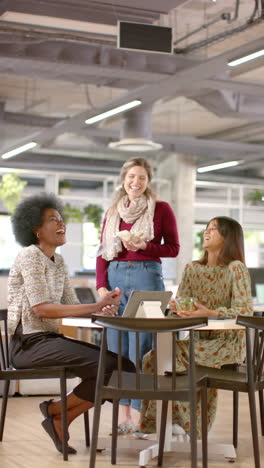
[(215, 167), (114, 111), (246, 58), (19, 150)]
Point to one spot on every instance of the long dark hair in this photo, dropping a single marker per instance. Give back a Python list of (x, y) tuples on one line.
[(233, 248)]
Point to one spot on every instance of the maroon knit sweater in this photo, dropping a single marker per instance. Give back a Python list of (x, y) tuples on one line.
[(165, 230)]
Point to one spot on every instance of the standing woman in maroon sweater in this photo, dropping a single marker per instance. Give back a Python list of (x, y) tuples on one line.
[(135, 265)]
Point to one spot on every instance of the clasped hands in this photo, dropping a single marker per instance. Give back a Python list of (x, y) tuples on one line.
[(110, 302), (201, 311)]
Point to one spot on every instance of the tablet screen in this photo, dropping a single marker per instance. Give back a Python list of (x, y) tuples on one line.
[(136, 297)]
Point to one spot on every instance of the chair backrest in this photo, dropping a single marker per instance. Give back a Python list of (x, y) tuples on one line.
[(85, 295), (154, 326), (255, 344), (4, 352)]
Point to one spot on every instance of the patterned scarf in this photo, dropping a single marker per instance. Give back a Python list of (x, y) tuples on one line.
[(139, 211)]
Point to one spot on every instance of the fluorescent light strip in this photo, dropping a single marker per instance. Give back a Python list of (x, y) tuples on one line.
[(236, 62), (215, 167), (114, 111), (21, 149)]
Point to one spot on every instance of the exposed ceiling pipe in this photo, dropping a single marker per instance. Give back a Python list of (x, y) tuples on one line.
[(252, 21), (136, 131), (223, 16)]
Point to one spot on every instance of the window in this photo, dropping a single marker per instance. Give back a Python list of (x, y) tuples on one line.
[(254, 248), (8, 246), (91, 242)]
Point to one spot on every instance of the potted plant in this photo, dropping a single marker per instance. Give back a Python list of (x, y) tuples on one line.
[(73, 214), (11, 189), (255, 197), (93, 214), (64, 187)]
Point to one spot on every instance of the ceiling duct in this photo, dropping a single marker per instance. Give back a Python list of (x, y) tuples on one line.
[(136, 131)]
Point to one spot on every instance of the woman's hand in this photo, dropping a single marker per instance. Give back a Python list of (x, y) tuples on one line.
[(109, 310), (102, 292), (172, 306), (110, 302), (201, 311), (136, 244)]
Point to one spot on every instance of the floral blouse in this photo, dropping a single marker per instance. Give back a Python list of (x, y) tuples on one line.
[(225, 288)]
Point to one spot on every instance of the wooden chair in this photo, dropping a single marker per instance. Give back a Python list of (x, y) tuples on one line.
[(237, 380), (236, 399), (8, 373), (150, 387)]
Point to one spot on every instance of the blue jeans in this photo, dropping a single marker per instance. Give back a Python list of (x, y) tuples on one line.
[(133, 276)]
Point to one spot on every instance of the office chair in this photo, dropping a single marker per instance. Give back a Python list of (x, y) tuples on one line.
[(85, 294), (8, 373), (236, 380), (150, 387)]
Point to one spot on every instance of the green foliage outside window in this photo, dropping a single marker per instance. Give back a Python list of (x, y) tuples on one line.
[(90, 213), (11, 189)]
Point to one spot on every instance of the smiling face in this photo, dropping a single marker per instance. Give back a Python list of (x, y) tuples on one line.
[(136, 182), (212, 239), (52, 230)]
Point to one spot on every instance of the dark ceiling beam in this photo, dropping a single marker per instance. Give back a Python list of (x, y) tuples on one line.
[(171, 86), (174, 143), (64, 163), (79, 74), (186, 144), (243, 87), (95, 12), (31, 120), (96, 59), (241, 133)]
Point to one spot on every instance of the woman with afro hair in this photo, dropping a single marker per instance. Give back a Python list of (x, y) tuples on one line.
[(39, 294)]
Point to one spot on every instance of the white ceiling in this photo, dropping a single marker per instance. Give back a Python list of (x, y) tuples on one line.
[(59, 65)]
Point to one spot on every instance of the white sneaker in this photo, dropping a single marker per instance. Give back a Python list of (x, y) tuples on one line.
[(125, 428), (177, 430), (140, 435)]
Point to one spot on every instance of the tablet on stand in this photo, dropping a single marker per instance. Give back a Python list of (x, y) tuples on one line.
[(147, 304)]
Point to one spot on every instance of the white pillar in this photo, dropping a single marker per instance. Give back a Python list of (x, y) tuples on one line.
[(52, 183), (181, 171)]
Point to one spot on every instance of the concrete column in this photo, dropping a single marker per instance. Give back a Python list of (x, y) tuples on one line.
[(181, 171), (52, 183)]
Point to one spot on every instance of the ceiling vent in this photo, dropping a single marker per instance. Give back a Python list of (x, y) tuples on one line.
[(136, 131), (135, 144)]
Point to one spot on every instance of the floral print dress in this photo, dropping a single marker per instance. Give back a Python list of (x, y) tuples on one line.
[(225, 289)]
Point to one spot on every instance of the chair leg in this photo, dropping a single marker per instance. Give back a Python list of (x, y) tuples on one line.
[(86, 428), (261, 409), (193, 430), (254, 427), (95, 430), (163, 422), (235, 417), (3, 409), (64, 416), (114, 430), (204, 426)]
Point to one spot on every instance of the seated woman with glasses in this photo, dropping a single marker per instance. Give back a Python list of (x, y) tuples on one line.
[(220, 282), (39, 294)]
